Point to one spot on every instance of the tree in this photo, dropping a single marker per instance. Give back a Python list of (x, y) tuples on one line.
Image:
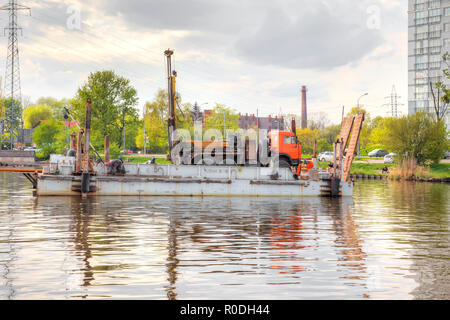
[(50, 138), (364, 139), (417, 136), (155, 121), (12, 111), (33, 114), (113, 104), (379, 130), (441, 93), (57, 106), (358, 110), (133, 124), (155, 117), (184, 118), (330, 134), (156, 133), (318, 120), (307, 138), (323, 145), (222, 117)]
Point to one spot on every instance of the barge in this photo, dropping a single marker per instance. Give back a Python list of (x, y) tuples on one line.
[(288, 174), (172, 180)]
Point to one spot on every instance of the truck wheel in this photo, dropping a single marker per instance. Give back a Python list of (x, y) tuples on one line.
[(284, 164)]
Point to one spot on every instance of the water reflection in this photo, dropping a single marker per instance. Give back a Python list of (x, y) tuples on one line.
[(251, 237), (429, 208), (226, 248), (415, 219), (172, 260), (8, 261)]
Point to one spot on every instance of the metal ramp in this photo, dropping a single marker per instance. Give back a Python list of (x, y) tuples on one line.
[(344, 134), (350, 127), (351, 151)]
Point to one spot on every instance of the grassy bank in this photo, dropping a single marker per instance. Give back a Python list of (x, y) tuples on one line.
[(440, 171), (436, 171), (134, 159), (363, 168), (369, 168)]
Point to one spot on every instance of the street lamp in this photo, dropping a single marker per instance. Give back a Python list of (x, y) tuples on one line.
[(365, 94)]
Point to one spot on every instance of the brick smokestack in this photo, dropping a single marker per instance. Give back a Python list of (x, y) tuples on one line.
[(304, 109)]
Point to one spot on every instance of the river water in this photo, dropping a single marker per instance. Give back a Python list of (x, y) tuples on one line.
[(390, 241)]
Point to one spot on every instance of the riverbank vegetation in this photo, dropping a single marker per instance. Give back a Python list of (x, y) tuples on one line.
[(421, 137), (427, 171)]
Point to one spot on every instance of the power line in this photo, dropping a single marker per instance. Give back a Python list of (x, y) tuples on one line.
[(393, 103), (187, 67), (12, 79)]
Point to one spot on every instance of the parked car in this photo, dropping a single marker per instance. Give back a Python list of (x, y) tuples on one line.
[(378, 153), (389, 158), (447, 155), (127, 151), (326, 156)]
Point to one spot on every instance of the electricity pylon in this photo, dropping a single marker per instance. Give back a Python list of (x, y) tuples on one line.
[(12, 90), (394, 104)]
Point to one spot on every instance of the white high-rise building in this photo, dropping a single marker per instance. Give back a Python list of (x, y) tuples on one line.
[(428, 40)]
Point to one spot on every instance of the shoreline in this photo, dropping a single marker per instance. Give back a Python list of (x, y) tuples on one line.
[(387, 177)]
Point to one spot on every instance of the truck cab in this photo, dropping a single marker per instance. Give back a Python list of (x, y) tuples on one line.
[(286, 145)]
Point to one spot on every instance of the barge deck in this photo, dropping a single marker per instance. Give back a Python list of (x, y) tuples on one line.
[(172, 180)]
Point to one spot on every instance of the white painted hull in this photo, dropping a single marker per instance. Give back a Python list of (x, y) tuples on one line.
[(159, 180)]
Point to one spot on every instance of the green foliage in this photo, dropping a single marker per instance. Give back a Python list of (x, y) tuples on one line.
[(184, 118), (144, 160), (418, 136), (359, 110), (220, 116), (50, 138), (379, 131), (323, 145), (113, 106), (307, 137), (114, 151), (369, 168), (57, 106), (441, 170), (330, 134), (11, 111), (33, 114), (155, 124)]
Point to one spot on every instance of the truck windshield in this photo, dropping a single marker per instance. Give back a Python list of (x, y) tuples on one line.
[(290, 140)]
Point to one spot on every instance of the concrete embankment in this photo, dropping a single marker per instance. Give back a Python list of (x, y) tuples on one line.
[(385, 177)]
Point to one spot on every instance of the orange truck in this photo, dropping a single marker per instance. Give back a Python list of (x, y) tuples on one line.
[(283, 143), (286, 145)]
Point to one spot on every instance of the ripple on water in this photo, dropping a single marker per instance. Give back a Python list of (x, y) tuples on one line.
[(390, 241)]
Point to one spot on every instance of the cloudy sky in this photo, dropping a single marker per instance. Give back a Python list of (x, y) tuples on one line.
[(247, 54)]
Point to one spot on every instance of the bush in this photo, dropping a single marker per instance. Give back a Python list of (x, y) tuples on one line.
[(418, 137), (50, 137), (114, 150)]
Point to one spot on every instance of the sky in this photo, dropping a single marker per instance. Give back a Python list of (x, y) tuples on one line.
[(251, 55)]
